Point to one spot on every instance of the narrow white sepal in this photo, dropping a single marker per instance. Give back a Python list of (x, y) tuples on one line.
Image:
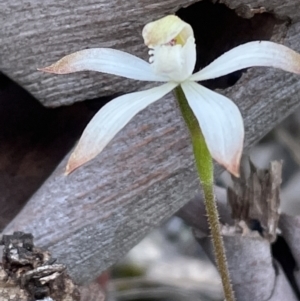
[(110, 120), (221, 124), (258, 53), (105, 60)]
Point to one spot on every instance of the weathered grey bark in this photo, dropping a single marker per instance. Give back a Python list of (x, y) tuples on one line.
[(254, 273), (290, 231), (38, 33), (146, 174), (30, 273), (252, 268), (92, 292)]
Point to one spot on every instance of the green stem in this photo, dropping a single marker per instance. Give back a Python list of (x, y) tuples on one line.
[(204, 165)]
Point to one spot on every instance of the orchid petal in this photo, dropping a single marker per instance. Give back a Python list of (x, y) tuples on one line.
[(221, 124), (110, 120), (105, 60), (258, 53)]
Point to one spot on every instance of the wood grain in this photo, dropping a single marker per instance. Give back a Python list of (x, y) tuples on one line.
[(37, 33)]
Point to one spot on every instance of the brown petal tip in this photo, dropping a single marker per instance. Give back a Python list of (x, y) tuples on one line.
[(48, 69), (70, 167), (74, 163), (234, 168)]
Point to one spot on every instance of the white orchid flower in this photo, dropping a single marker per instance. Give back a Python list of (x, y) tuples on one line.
[(172, 60)]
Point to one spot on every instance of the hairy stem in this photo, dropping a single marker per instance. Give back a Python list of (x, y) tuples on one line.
[(204, 167)]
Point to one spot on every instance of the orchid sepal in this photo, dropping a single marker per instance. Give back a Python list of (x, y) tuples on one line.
[(257, 53), (106, 60), (110, 120)]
